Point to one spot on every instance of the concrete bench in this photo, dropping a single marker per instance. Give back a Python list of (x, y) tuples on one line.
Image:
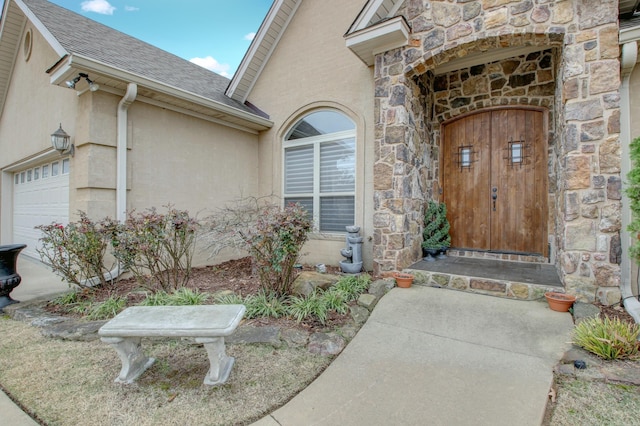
[(208, 324)]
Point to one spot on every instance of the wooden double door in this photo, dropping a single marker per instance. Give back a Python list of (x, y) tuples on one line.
[(494, 181)]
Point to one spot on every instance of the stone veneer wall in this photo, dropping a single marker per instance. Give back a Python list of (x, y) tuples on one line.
[(403, 153), (586, 125)]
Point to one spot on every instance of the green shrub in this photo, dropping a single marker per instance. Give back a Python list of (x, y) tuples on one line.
[(76, 251), (436, 226), (157, 248), (608, 338)]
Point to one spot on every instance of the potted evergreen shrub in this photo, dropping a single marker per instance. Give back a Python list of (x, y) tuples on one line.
[(435, 234)]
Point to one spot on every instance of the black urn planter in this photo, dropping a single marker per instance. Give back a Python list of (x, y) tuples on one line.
[(430, 254), (442, 253), (9, 278)]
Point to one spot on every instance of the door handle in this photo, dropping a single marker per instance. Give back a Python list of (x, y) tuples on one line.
[(494, 196)]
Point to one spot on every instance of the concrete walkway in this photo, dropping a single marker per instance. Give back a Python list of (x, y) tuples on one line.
[(438, 357), (425, 356)]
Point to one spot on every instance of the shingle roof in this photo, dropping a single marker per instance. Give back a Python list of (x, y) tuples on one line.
[(83, 36)]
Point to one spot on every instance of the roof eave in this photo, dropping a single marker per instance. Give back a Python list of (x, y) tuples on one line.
[(42, 29), (68, 69), (251, 67), (386, 35)]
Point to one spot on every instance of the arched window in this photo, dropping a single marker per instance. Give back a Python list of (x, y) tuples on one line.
[(320, 168)]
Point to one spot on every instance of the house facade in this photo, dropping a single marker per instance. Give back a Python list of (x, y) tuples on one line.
[(516, 114)]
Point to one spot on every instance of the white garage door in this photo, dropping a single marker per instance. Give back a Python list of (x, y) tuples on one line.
[(40, 196)]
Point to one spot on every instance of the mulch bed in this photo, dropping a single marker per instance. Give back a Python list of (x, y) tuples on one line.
[(615, 311), (235, 275)]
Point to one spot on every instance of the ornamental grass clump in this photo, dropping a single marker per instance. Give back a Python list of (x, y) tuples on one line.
[(609, 338), (264, 304), (181, 297), (76, 251), (313, 306)]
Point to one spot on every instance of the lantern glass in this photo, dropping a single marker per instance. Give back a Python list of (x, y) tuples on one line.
[(60, 140)]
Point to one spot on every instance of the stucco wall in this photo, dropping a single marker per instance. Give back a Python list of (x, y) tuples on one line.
[(203, 164), (33, 110), (173, 158), (312, 68)]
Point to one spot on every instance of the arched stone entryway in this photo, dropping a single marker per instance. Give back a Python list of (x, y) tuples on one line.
[(466, 57)]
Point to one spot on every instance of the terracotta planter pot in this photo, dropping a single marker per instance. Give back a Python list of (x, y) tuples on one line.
[(403, 280), (559, 301)]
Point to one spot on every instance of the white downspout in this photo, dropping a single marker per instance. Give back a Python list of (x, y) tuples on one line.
[(121, 152), (627, 63), (121, 170)]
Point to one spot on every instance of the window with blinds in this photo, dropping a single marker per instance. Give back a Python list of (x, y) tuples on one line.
[(319, 169)]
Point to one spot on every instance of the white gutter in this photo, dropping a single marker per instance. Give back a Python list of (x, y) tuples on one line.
[(92, 66), (628, 62), (121, 171)]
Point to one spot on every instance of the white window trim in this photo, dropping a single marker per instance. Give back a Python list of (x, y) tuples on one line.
[(316, 141)]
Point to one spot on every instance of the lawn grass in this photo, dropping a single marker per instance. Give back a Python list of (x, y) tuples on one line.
[(594, 403), (71, 383)]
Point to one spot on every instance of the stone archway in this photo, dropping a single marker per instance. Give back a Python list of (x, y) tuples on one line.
[(584, 180)]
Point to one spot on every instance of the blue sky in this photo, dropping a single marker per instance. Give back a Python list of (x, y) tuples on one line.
[(212, 33)]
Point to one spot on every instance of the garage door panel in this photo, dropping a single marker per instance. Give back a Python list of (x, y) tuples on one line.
[(37, 202)]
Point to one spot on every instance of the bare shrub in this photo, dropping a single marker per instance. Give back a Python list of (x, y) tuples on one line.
[(273, 236), (76, 251), (157, 248)]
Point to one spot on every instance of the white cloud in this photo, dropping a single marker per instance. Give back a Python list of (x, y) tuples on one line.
[(250, 36), (98, 6), (131, 8), (212, 65)]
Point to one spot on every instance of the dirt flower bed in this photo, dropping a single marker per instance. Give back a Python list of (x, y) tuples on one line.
[(234, 275)]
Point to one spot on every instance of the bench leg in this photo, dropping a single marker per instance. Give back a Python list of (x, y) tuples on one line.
[(221, 364), (134, 362)]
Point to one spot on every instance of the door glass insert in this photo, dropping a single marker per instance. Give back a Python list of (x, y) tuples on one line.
[(516, 154), (464, 157)]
